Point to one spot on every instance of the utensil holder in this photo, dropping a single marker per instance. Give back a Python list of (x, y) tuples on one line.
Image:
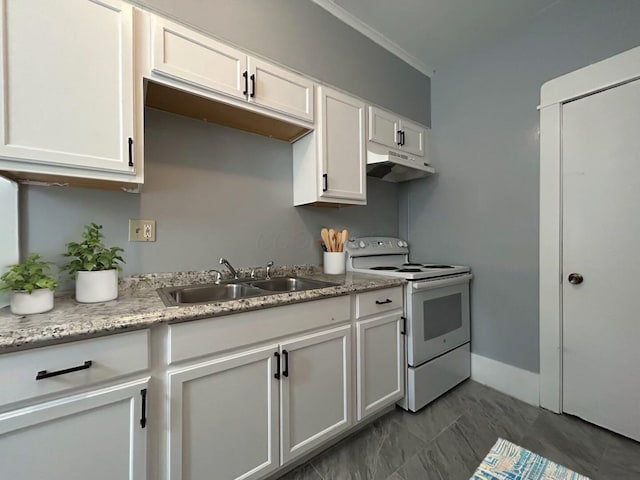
[(334, 262)]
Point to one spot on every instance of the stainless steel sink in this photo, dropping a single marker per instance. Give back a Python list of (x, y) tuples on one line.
[(236, 289), (176, 296), (290, 284)]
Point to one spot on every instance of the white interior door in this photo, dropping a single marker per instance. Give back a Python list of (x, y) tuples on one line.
[(601, 236)]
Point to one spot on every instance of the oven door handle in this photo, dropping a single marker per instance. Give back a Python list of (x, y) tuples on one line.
[(443, 282)]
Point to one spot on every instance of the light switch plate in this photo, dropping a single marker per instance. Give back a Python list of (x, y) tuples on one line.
[(142, 230)]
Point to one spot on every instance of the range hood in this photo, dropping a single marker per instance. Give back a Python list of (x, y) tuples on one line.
[(394, 166)]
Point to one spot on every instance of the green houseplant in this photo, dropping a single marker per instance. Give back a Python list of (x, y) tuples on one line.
[(94, 266), (31, 286)]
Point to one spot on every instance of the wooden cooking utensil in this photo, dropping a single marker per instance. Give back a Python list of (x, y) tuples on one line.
[(332, 239), (345, 237), (324, 233)]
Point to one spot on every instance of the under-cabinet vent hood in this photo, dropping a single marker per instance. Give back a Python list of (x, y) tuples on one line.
[(392, 166)]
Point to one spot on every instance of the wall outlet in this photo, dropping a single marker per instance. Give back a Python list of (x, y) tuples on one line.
[(142, 230)]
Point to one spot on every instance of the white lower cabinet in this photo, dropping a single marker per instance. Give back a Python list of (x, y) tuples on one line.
[(96, 435), (223, 417), (380, 362), (244, 415), (315, 390)]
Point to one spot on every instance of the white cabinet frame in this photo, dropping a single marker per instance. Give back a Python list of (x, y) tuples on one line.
[(603, 75)]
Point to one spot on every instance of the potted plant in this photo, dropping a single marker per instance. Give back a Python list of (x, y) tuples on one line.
[(31, 286), (94, 266)]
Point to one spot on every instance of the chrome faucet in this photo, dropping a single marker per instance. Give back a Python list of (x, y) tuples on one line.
[(218, 276), (269, 265), (225, 262)]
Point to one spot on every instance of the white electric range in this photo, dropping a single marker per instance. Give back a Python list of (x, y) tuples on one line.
[(437, 310)]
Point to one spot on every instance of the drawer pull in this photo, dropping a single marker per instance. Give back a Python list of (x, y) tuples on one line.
[(42, 374), (383, 302)]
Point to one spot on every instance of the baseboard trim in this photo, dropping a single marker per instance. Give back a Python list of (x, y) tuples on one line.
[(515, 382)]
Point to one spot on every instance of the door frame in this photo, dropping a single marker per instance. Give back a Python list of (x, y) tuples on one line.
[(609, 73)]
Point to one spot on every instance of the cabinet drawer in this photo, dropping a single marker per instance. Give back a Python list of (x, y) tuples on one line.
[(98, 360), (377, 301), (213, 335)]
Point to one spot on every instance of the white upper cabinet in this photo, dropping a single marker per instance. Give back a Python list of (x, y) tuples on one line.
[(190, 57), (388, 129), (384, 127), (279, 89), (67, 84), (413, 138), (330, 164), (342, 148)]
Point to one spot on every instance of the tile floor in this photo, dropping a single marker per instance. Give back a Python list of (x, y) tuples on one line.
[(448, 439)]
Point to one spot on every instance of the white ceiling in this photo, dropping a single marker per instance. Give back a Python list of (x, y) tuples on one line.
[(429, 33)]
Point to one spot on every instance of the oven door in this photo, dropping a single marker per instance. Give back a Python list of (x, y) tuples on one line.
[(437, 317)]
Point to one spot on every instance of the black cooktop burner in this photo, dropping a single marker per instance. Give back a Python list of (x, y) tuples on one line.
[(384, 268), (438, 266), (412, 265), (410, 270)]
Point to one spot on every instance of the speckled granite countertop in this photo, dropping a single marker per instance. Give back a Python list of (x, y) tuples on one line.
[(139, 306)]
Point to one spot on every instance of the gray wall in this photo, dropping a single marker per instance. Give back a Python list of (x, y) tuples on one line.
[(482, 209), (214, 192), (303, 36)]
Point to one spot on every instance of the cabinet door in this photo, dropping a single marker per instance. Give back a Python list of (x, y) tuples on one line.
[(342, 146), (96, 435), (224, 418), (190, 57), (413, 137), (315, 390), (279, 89), (380, 357), (383, 127), (67, 83)]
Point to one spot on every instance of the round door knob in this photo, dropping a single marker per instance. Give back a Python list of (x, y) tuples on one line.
[(575, 278)]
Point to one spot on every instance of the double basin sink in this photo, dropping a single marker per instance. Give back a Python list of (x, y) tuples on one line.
[(236, 290)]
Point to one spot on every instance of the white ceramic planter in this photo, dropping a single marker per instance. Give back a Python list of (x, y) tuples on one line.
[(40, 301), (95, 287)]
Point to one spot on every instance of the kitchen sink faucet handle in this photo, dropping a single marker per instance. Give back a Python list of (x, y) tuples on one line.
[(218, 276), (269, 266), (254, 274)]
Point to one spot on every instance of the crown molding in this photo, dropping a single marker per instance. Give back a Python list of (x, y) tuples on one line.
[(372, 34)]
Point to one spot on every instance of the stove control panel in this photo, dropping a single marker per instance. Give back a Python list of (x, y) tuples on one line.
[(364, 246)]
